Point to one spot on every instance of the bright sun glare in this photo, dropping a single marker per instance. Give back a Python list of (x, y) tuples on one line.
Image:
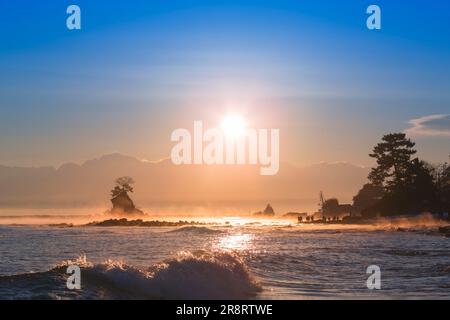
[(233, 125)]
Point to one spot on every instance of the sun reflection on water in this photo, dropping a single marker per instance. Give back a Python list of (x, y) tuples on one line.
[(235, 242)]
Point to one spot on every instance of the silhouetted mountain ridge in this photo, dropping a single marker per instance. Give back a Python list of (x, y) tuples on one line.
[(89, 183)]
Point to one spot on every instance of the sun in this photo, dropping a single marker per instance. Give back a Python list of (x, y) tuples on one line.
[(233, 126)]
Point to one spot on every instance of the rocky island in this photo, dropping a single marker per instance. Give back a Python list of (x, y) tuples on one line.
[(267, 213), (121, 201)]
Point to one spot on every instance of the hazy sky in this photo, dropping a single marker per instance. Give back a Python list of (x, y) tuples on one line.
[(139, 69)]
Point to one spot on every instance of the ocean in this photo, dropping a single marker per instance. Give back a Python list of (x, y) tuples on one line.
[(231, 258)]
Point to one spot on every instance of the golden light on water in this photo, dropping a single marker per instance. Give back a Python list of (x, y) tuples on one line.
[(235, 242)]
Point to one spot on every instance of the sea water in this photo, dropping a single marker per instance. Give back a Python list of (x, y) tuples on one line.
[(238, 260)]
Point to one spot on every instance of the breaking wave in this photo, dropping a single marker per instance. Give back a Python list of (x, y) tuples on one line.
[(189, 275)]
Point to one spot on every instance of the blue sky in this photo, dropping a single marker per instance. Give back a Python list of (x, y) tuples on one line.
[(137, 71)]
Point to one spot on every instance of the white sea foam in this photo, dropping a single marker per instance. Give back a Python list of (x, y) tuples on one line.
[(198, 275)]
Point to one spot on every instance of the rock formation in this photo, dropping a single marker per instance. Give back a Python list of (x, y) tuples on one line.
[(268, 212), (122, 204), (121, 201)]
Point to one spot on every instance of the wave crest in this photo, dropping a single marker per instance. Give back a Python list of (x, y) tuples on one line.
[(189, 275)]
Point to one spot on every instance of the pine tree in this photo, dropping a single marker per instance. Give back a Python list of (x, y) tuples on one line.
[(393, 157)]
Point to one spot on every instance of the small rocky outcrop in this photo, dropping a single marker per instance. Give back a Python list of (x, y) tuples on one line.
[(123, 205), (123, 222), (121, 201), (268, 212)]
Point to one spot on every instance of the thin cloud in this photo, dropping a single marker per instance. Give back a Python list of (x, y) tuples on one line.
[(435, 125)]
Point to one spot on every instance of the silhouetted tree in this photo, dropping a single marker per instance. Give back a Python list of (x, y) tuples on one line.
[(400, 184), (123, 185), (367, 197), (442, 181), (445, 189), (421, 190), (393, 155)]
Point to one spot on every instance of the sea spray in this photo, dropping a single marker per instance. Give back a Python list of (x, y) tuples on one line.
[(188, 275)]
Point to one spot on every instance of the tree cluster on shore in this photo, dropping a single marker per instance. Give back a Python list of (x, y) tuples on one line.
[(401, 183)]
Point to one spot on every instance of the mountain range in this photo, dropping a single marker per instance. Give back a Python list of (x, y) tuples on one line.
[(163, 184)]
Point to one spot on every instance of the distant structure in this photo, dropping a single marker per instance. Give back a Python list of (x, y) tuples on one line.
[(331, 212), (121, 201), (268, 212), (332, 208)]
